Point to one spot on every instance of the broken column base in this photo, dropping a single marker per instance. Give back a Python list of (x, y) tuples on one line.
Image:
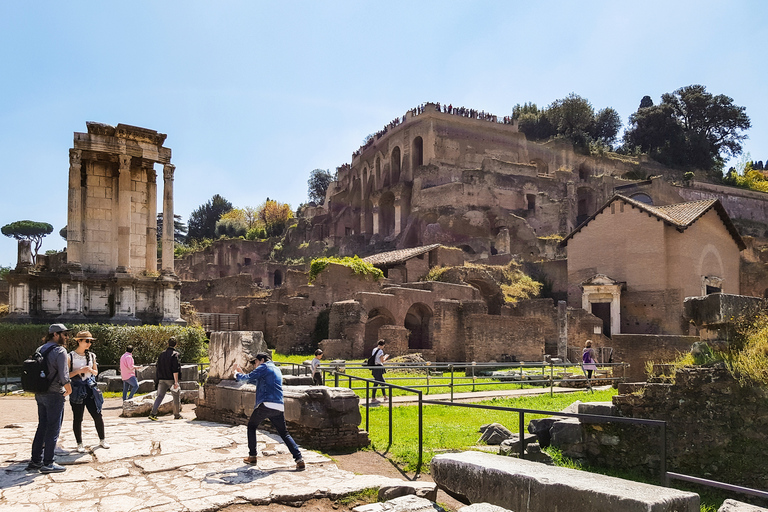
[(318, 417)]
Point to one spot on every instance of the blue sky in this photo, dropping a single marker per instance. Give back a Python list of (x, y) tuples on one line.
[(255, 95)]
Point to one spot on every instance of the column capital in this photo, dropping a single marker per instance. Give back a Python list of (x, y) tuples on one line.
[(125, 161), (75, 157), (168, 170)]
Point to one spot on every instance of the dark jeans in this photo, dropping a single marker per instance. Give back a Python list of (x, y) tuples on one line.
[(317, 379), (130, 384), (378, 376), (50, 413), (78, 411), (162, 387), (277, 418)]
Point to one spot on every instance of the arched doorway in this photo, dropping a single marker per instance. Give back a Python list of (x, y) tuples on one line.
[(387, 214), (584, 205), (376, 318), (278, 278), (418, 321), (418, 152)]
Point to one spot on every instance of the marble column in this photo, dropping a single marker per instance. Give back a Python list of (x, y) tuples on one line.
[(151, 256), (124, 215), (168, 170), (75, 208)]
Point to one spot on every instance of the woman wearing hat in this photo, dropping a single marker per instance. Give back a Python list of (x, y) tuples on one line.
[(85, 394)]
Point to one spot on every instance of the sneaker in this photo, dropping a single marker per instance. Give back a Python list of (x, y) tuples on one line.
[(178, 417), (80, 448), (34, 466), (104, 444), (300, 466), (153, 417), (52, 468), (251, 459)]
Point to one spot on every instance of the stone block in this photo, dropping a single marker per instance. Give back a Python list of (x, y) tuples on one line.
[(231, 348), (738, 506), (105, 374), (518, 484), (142, 405), (189, 384), (540, 427), (426, 490), (401, 504), (494, 434), (189, 396), (296, 380), (146, 386), (189, 372), (114, 383), (101, 385), (566, 432), (483, 507), (511, 446), (146, 373), (625, 388), (596, 408)]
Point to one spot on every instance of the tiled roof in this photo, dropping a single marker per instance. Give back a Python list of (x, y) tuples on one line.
[(398, 256), (680, 215)]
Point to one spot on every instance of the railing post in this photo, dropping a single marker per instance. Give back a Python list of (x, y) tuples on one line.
[(473, 376), (551, 379), (367, 385), (663, 465), (521, 417), (390, 415), (451, 383), (421, 433), (335, 378), (427, 365)]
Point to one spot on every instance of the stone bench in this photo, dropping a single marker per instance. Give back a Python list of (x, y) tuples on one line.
[(518, 484)]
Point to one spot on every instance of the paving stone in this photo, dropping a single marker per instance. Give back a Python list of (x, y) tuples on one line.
[(77, 474)]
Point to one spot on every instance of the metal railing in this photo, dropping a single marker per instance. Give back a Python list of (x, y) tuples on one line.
[(665, 476)]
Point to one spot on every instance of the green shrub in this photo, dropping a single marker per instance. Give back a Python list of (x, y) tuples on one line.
[(17, 342), (355, 263)]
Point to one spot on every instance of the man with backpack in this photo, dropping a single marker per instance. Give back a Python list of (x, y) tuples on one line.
[(50, 403), (376, 363)]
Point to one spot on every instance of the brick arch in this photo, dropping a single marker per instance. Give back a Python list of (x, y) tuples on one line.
[(395, 165), (419, 321), (377, 317)]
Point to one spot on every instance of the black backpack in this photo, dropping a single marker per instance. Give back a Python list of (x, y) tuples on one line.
[(372, 359), (34, 374)]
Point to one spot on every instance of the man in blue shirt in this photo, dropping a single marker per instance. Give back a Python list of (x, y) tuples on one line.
[(50, 404), (269, 405)]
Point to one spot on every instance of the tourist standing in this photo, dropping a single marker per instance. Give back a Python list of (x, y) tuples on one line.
[(317, 373), (167, 378), (50, 404), (379, 358), (269, 405), (85, 394), (128, 373), (588, 359)]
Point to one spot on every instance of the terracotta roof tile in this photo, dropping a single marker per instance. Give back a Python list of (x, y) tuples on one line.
[(398, 256)]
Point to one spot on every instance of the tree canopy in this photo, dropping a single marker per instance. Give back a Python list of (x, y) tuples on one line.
[(28, 230), (572, 118), (319, 180), (689, 128), (202, 221), (275, 217)]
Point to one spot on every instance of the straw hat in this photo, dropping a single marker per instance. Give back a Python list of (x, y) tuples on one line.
[(84, 335)]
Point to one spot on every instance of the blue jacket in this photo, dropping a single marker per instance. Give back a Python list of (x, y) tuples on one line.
[(268, 381)]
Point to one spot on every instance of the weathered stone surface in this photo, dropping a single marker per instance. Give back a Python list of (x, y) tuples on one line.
[(511, 446), (114, 383), (523, 485), (231, 348), (540, 427), (142, 405), (738, 506), (189, 372), (566, 432), (146, 373), (321, 406), (427, 490), (483, 507), (494, 434), (401, 504), (189, 384), (596, 408), (146, 386)]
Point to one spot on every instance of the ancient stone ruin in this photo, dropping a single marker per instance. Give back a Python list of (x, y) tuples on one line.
[(109, 271)]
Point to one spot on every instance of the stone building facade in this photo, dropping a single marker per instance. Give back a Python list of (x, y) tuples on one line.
[(109, 271), (633, 264)]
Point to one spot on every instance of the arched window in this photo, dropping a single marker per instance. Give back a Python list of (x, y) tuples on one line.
[(387, 214), (394, 165), (418, 152), (278, 278), (643, 198)]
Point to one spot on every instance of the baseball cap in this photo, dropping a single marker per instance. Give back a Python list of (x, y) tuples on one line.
[(54, 328)]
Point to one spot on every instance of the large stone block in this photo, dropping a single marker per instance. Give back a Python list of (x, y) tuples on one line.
[(146, 386), (142, 405), (146, 373), (228, 349), (189, 372), (518, 484), (737, 506), (114, 383), (409, 503), (321, 406)]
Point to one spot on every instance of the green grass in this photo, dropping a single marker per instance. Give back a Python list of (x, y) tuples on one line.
[(447, 428)]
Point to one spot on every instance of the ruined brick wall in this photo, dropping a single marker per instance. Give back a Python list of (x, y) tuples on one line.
[(637, 349), (498, 338), (715, 428)]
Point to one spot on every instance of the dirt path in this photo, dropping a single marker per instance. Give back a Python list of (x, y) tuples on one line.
[(21, 409)]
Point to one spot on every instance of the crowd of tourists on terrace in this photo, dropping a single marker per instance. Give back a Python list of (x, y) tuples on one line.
[(446, 109)]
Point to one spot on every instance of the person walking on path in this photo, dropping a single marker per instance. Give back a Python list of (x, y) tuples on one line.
[(317, 373), (269, 405), (85, 394), (168, 370), (128, 373), (50, 404), (588, 361), (378, 369)]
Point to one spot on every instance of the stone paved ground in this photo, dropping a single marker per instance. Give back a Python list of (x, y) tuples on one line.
[(168, 465)]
